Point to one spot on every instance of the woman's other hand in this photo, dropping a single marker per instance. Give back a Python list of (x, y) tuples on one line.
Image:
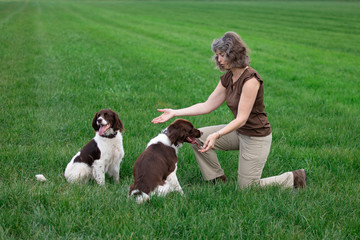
[(209, 143), (167, 114)]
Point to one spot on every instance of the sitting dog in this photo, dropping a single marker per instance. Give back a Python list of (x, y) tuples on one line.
[(103, 154), (155, 169)]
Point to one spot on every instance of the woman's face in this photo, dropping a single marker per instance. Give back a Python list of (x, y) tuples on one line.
[(221, 57)]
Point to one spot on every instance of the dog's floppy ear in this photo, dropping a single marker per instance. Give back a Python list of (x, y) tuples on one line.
[(94, 124), (176, 132), (173, 134), (118, 124)]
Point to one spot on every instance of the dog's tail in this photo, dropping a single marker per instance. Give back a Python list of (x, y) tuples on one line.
[(77, 172)]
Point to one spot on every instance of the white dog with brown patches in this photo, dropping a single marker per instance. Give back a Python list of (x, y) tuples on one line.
[(103, 154), (155, 169)]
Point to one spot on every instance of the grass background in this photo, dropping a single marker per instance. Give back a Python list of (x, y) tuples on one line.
[(62, 61)]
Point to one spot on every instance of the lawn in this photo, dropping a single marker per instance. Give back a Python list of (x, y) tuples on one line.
[(62, 61)]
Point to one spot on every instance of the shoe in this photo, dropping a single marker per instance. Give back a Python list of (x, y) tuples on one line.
[(221, 178), (299, 178)]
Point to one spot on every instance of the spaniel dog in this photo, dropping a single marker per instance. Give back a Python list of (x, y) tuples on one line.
[(103, 154), (155, 169)]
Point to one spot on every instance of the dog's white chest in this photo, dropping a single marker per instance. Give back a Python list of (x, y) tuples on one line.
[(110, 148)]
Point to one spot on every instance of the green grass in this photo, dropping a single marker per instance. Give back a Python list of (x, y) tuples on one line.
[(62, 61)]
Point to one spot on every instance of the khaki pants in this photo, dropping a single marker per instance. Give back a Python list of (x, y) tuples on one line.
[(253, 153)]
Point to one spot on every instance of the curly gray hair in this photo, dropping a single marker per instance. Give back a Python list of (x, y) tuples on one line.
[(235, 49)]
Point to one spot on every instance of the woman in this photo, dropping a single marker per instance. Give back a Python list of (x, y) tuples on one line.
[(243, 90)]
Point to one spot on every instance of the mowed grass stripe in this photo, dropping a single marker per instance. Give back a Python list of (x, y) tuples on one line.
[(9, 10), (18, 98), (178, 40)]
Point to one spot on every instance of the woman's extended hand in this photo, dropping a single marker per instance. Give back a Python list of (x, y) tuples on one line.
[(209, 143), (167, 114)]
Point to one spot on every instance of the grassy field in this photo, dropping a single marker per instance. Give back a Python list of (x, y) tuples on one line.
[(62, 61)]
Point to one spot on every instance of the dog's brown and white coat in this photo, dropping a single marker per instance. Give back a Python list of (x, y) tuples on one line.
[(103, 154), (155, 169)]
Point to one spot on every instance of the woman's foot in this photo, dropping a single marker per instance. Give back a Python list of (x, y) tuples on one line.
[(299, 178), (221, 178)]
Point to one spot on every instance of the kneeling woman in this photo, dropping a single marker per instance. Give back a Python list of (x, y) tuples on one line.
[(243, 90)]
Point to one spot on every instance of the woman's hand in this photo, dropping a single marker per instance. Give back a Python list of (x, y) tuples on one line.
[(210, 142), (167, 114)]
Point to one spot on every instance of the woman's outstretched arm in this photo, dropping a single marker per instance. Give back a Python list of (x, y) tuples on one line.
[(216, 98)]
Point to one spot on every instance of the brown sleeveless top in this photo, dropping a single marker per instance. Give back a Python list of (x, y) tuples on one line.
[(257, 124)]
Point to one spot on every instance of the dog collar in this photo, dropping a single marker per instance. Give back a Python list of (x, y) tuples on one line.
[(111, 135), (165, 131)]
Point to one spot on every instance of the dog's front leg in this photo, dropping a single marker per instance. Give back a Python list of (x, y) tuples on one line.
[(174, 182), (113, 171), (99, 172)]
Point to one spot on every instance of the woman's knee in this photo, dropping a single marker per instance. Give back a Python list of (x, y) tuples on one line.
[(244, 182)]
